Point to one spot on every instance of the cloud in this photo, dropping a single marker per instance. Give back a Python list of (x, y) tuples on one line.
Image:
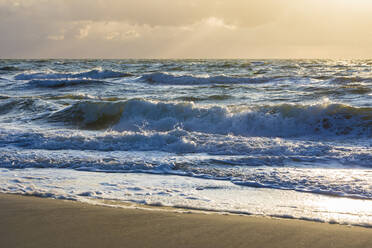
[(83, 32), (148, 12), (56, 37), (179, 28)]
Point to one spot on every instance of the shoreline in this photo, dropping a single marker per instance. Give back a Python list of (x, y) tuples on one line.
[(29, 221)]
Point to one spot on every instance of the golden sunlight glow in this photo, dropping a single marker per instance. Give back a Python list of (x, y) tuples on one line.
[(344, 205), (192, 29)]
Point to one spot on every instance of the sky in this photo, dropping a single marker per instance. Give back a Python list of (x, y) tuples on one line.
[(186, 29)]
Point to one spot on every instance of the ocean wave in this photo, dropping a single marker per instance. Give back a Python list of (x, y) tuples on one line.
[(359, 89), (9, 68), (206, 98), (261, 150), (3, 97), (19, 105), (62, 83), (343, 79), (90, 114), (169, 79), (312, 180), (284, 120), (92, 74), (81, 96), (350, 79)]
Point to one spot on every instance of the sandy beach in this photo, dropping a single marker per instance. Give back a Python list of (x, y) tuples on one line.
[(39, 222), (185, 124)]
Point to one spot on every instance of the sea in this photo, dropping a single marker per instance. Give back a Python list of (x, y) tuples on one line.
[(276, 138)]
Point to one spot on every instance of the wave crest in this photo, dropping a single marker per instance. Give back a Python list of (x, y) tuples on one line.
[(168, 79), (92, 74), (92, 115), (284, 120)]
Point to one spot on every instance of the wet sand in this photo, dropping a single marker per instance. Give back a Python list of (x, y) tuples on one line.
[(38, 222)]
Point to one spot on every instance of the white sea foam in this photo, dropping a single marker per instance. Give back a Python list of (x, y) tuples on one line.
[(184, 192), (331, 179), (92, 74), (260, 150)]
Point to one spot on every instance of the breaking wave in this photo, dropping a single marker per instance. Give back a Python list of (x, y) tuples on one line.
[(244, 151), (314, 180), (284, 120)]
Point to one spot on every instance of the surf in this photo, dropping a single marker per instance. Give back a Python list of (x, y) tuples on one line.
[(283, 120)]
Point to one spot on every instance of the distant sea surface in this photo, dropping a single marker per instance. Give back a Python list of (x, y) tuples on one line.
[(241, 136)]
